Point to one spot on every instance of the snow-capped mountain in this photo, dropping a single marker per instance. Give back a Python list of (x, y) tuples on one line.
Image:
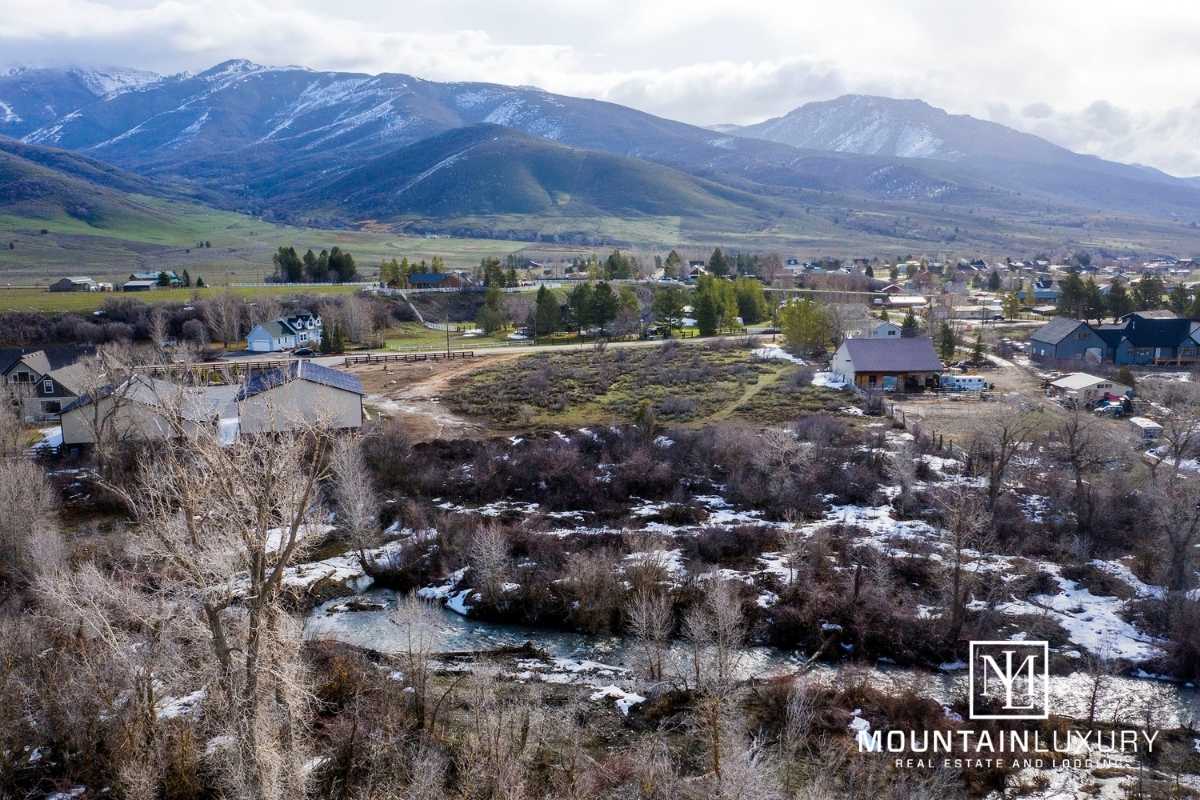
[(112, 80), (262, 137), (904, 128), (32, 97)]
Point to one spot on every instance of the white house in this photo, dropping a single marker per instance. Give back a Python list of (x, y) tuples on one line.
[(1087, 388), (302, 329), (882, 329)]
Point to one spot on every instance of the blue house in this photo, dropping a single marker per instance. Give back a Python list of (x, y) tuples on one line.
[(1151, 337), (1143, 337), (1065, 339)]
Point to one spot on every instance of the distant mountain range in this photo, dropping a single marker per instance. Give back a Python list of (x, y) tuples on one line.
[(340, 148)]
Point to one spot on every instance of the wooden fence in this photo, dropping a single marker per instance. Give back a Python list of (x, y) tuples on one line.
[(384, 358), (914, 426), (232, 367)]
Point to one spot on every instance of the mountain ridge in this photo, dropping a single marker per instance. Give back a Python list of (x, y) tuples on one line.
[(261, 139)]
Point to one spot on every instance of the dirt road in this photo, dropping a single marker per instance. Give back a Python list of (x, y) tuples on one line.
[(413, 394)]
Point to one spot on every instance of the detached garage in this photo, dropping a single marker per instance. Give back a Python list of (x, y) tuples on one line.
[(900, 364)]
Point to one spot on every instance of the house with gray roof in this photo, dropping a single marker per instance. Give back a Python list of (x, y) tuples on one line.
[(41, 382), (1065, 339), (269, 401), (300, 394), (301, 329), (1142, 337), (905, 364)]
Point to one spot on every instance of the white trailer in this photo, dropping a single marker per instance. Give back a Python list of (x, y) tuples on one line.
[(964, 383)]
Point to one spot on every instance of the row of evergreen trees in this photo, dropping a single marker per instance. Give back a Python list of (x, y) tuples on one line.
[(329, 266), (1083, 299), (395, 273)]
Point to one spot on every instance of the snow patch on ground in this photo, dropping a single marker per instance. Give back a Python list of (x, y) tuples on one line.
[(829, 380), (625, 700), (774, 352)]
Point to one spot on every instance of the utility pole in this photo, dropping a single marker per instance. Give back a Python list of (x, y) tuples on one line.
[(446, 324)]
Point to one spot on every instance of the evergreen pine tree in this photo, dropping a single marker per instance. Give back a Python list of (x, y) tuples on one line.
[(948, 343)]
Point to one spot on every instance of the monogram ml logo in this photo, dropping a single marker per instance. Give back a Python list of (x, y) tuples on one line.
[(1014, 674)]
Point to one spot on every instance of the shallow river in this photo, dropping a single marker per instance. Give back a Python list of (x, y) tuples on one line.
[(1126, 700)]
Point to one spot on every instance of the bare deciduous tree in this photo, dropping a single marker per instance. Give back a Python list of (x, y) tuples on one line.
[(1008, 431), (29, 538), (11, 430), (489, 561), (651, 620), (964, 520), (226, 522), (158, 327), (357, 503), (1082, 445), (1180, 438), (419, 640), (1175, 506), (355, 318), (223, 315)]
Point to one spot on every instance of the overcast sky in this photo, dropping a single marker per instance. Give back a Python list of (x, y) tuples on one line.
[(1121, 80)]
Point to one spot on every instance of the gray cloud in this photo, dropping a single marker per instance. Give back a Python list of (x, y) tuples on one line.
[(1126, 88), (1037, 110)]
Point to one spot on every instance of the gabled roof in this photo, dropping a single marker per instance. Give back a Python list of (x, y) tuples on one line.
[(1056, 330), (195, 403), (1157, 313), (71, 377), (42, 360), (37, 361), (427, 277), (1111, 334), (1079, 380), (1153, 329), (276, 328), (303, 370), (902, 354)]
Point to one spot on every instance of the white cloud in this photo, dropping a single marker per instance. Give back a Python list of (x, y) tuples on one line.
[(1111, 78)]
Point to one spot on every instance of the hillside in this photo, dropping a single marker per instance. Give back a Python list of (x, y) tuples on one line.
[(48, 184), (489, 169), (289, 144), (256, 134)]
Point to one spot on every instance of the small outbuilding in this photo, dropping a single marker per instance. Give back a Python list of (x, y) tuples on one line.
[(1148, 430), (1088, 389), (78, 283)]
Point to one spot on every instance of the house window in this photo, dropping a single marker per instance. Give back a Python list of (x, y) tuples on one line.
[(47, 387), (52, 407)]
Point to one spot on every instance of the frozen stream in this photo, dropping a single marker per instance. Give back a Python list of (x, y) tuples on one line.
[(1126, 700)]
